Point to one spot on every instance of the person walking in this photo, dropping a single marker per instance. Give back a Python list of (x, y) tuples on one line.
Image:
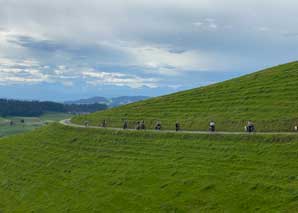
[(104, 124), (158, 125), (125, 125), (212, 126), (142, 127), (250, 127), (177, 126), (138, 125)]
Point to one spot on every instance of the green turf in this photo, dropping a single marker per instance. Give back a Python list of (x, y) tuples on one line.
[(268, 97), (30, 124), (52, 117), (63, 169), (2, 120)]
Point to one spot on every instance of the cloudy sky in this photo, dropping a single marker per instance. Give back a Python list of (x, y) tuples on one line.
[(66, 49)]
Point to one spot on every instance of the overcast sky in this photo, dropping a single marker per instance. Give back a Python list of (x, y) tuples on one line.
[(66, 49)]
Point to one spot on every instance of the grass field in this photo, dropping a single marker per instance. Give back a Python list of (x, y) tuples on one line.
[(30, 124), (2, 120), (268, 97), (63, 169)]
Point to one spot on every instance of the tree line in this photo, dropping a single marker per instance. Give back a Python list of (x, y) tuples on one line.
[(10, 107)]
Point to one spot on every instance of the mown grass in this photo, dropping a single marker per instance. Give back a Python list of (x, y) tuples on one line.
[(64, 169), (54, 116), (268, 97)]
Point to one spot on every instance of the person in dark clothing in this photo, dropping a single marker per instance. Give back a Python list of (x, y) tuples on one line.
[(143, 127), (22, 122), (125, 125), (104, 124), (177, 126), (138, 125), (250, 127), (158, 126), (86, 123)]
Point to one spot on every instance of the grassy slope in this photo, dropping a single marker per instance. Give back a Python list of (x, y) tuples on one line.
[(267, 97), (63, 169)]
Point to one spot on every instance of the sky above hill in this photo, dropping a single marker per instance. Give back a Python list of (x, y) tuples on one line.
[(63, 49)]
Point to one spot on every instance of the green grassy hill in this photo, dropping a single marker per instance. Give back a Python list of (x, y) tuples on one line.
[(64, 169), (268, 97)]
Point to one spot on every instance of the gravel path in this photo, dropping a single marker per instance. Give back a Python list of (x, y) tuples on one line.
[(67, 122)]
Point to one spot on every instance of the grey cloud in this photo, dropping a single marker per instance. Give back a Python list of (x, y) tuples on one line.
[(41, 45), (153, 38)]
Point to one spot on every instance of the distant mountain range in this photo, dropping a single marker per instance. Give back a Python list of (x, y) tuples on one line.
[(110, 102)]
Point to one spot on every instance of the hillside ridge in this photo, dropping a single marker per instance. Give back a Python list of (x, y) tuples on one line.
[(267, 97)]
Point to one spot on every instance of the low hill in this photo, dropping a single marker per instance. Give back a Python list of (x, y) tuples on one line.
[(122, 100), (110, 102), (93, 100), (268, 97), (64, 169)]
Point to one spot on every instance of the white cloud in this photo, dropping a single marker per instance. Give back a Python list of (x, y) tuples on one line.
[(263, 29), (208, 24), (142, 36), (164, 60), (30, 72), (119, 79), (21, 72)]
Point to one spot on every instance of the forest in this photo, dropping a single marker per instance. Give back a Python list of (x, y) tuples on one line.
[(10, 107)]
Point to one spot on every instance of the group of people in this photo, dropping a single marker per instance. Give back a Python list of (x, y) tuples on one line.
[(103, 124), (250, 127), (140, 125), (12, 123)]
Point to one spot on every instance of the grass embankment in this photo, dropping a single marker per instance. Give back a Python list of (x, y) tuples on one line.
[(30, 124), (64, 169), (268, 97)]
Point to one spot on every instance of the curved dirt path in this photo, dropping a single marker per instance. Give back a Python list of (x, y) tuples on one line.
[(67, 122)]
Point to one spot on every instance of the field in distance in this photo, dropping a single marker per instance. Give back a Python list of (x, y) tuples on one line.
[(268, 98), (30, 123), (64, 169)]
